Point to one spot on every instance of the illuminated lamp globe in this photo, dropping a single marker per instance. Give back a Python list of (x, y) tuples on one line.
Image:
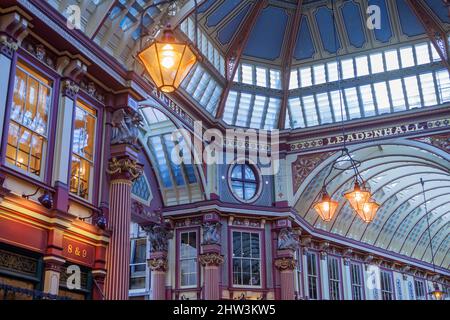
[(358, 197), (326, 207), (369, 211), (167, 61), (437, 293)]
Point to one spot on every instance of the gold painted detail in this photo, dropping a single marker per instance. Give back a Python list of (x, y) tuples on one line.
[(211, 259), (125, 165), (285, 264), (18, 263), (158, 264)]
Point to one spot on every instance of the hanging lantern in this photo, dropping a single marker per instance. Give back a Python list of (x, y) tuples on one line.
[(168, 61), (369, 211), (437, 293), (358, 197), (326, 207)]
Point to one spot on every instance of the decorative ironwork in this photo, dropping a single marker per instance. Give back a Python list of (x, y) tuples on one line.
[(140, 188), (304, 165), (18, 263)]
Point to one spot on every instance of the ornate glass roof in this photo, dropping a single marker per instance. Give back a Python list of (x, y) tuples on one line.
[(393, 172)]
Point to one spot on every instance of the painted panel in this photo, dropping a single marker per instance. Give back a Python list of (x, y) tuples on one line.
[(221, 12), (385, 33), (267, 36), (22, 235), (411, 26), (78, 252), (354, 24), (327, 29), (304, 48), (227, 32)]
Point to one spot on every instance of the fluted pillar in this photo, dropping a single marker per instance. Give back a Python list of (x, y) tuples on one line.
[(211, 262), (123, 169), (158, 265), (287, 244)]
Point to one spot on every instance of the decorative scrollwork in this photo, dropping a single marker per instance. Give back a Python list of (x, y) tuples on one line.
[(125, 166), (158, 264), (211, 259)]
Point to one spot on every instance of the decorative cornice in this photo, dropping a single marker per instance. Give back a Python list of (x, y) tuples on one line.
[(124, 168), (8, 46), (158, 264), (285, 263), (13, 28), (211, 259)]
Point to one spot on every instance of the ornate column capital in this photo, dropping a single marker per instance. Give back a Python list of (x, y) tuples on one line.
[(285, 263), (211, 259), (124, 168), (158, 264)]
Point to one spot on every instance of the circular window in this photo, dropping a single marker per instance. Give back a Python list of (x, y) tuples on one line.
[(244, 182)]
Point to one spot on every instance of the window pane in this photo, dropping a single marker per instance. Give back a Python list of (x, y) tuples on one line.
[(319, 74), (367, 100), (293, 81), (337, 100), (244, 107), (261, 77), (333, 73), (422, 53), (362, 66), (407, 57), (275, 79), (348, 70), (296, 112), (258, 110), (309, 106), (382, 96), (398, 98), (323, 104), (305, 77), (391, 59), (428, 89), (247, 74), (351, 97), (230, 106), (412, 92), (376, 62), (443, 83)]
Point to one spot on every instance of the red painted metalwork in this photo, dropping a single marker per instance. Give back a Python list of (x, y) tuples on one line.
[(287, 62), (434, 29), (235, 50)]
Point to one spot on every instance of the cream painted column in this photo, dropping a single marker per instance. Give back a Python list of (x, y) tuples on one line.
[(53, 269), (324, 283), (347, 279)]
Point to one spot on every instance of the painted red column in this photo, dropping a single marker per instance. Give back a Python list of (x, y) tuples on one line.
[(123, 169), (210, 258), (287, 244), (211, 262), (286, 266)]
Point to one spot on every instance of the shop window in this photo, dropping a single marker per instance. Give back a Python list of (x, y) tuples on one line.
[(356, 281), (334, 279), (387, 291), (29, 121), (83, 151), (419, 286)]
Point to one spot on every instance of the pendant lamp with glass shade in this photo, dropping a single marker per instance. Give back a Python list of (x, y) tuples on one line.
[(360, 196), (166, 59), (436, 293)]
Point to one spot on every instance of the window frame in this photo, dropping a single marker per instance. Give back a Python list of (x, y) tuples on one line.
[(180, 231), (361, 274), (425, 289), (262, 258), (257, 181), (383, 290), (317, 276), (147, 278), (339, 273), (43, 71)]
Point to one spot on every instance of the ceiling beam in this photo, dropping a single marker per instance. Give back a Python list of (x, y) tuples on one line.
[(287, 62), (433, 28), (235, 50), (99, 17)]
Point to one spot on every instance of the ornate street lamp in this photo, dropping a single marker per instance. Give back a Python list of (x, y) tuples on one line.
[(369, 211), (168, 61), (358, 197), (326, 207), (437, 293)]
